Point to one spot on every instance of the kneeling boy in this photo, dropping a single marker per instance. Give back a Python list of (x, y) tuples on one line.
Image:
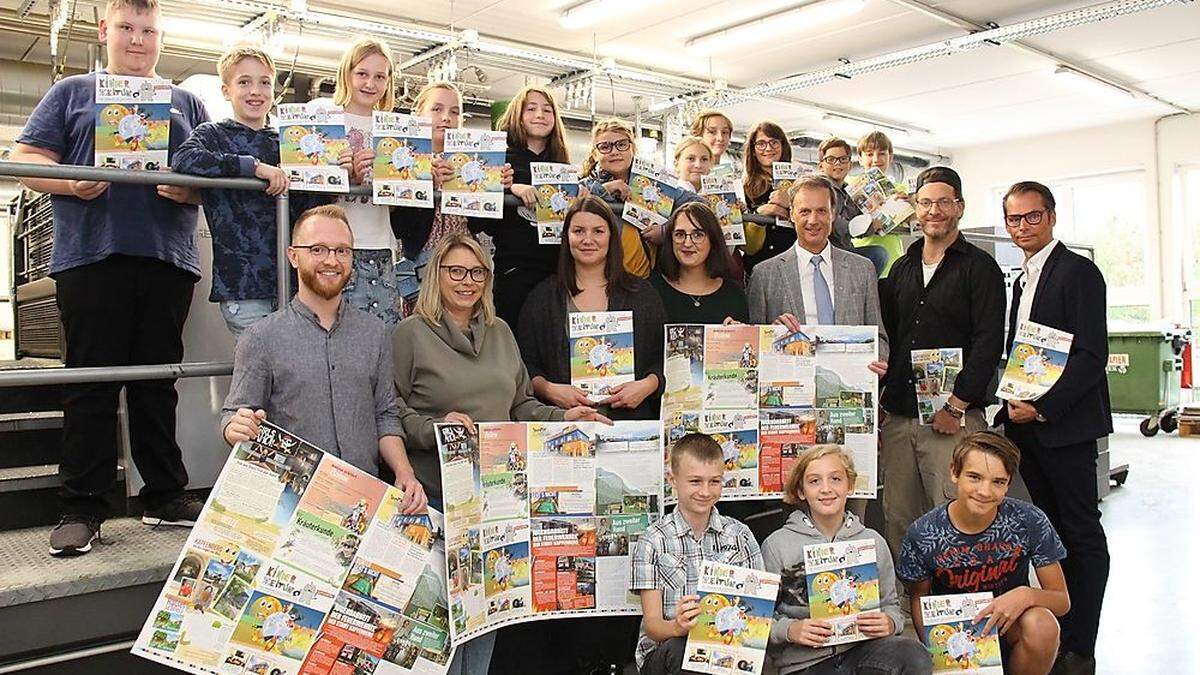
[(986, 541), (666, 558)]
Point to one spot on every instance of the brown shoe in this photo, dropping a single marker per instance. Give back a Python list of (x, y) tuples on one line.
[(74, 535)]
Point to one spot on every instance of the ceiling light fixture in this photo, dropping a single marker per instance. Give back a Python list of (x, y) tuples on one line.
[(1092, 83), (805, 16), (592, 11)]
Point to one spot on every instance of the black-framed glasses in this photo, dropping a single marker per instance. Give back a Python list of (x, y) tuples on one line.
[(605, 147), (320, 251), (458, 273), (836, 161), (767, 144), (1032, 217), (944, 203), (694, 236)]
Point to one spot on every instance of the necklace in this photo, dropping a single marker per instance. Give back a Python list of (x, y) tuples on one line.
[(695, 299)]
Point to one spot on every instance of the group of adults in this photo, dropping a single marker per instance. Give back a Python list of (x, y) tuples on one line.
[(485, 337)]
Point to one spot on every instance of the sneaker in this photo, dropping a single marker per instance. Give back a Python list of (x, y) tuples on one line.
[(74, 535), (183, 511)]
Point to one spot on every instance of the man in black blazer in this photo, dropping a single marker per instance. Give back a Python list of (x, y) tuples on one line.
[(1057, 432)]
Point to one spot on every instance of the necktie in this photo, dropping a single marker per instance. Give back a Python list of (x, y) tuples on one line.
[(821, 290)]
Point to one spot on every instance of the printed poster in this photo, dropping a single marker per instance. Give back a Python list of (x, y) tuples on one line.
[(737, 608), (133, 122), (1035, 362), (601, 351), (541, 518), (403, 168), (476, 188), (311, 138), (767, 394), (955, 640), (935, 371), (557, 186), (843, 582), (360, 585), (877, 196), (651, 200), (724, 193)]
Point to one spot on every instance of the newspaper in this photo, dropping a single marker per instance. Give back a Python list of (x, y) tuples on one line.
[(133, 122), (724, 193), (737, 608), (476, 188), (878, 197), (601, 351), (935, 371), (955, 640), (557, 186), (843, 582), (403, 168), (651, 200), (1036, 360)]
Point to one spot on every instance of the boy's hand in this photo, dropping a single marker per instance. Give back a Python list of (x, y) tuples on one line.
[(1004, 611), (243, 426), (178, 194), (88, 190), (875, 624), (277, 178), (363, 161), (810, 632), (506, 176), (346, 161), (686, 613)]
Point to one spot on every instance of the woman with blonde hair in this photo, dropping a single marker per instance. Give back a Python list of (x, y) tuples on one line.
[(363, 85), (421, 230), (765, 145), (535, 134), (716, 130), (455, 361), (606, 175)]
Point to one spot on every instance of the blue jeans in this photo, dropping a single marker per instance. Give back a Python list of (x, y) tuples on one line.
[(474, 657), (372, 287), (241, 314), (878, 256)]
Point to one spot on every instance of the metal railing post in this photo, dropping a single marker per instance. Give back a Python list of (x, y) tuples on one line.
[(283, 237)]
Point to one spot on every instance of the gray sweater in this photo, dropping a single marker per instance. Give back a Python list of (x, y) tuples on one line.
[(332, 388), (439, 370), (783, 554)]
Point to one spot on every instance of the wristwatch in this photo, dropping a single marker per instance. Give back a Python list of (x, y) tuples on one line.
[(1040, 417), (956, 413)]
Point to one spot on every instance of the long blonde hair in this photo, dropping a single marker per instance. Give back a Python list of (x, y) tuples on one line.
[(427, 91), (355, 53), (429, 298), (556, 145), (604, 126)]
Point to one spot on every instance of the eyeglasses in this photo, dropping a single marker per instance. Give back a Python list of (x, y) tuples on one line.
[(1033, 218), (458, 273), (320, 251), (694, 236), (767, 144), (943, 203), (836, 161), (605, 147)]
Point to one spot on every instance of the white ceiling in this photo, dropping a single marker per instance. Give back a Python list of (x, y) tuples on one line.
[(976, 96)]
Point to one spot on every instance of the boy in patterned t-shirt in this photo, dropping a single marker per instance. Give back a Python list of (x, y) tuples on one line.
[(986, 541)]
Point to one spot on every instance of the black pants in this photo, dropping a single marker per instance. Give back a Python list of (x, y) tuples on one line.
[(121, 311), (512, 286), (1062, 482)]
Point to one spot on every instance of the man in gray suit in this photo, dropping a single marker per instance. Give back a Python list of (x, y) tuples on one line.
[(814, 282)]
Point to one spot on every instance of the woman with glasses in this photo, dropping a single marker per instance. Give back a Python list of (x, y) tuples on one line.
[(765, 145), (606, 175), (694, 276), (455, 361)]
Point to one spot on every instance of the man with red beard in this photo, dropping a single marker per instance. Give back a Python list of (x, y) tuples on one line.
[(320, 368)]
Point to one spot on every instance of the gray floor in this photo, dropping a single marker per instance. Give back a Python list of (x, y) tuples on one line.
[(1151, 606)]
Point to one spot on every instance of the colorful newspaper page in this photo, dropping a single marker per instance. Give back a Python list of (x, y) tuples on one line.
[(725, 195), (311, 138), (843, 582), (557, 186), (767, 394), (601, 351), (934, 372), (651, 200), (955, 640), (302, 563), (403, 168), (783, 174), (133, 122), (737, 607), (1035, 362), (476, 189), (877, 196), (544, 517)]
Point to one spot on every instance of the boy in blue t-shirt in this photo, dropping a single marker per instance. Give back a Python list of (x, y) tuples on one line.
[(986, 541), (124, 263), (242, 222)]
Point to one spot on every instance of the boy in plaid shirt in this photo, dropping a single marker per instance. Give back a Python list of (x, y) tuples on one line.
[(666, 558)]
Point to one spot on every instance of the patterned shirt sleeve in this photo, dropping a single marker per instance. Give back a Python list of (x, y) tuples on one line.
[(1045, 546), (754, 556), (641, 567), (912, 565), (204, 154)]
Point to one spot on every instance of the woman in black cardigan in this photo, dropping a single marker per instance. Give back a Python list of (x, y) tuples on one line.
[(591, 278)]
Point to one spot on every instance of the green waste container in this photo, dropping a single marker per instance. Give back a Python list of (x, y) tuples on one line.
[(1144, 368)]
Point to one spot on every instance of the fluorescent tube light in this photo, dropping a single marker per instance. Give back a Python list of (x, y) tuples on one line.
[(1096, 85), (592, 11), (806, 16), (862, 125)]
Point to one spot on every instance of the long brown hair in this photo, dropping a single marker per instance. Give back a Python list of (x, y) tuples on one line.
[(758, 178), (614, 264), (718, 264), (556, 145)]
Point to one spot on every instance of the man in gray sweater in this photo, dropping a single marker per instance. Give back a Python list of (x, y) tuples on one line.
[(320, 368)]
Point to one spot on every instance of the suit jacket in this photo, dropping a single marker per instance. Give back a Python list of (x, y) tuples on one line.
[(1070, 296), (775, 289)]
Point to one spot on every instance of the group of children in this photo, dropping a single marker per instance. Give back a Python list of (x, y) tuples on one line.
[(981, 541)]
